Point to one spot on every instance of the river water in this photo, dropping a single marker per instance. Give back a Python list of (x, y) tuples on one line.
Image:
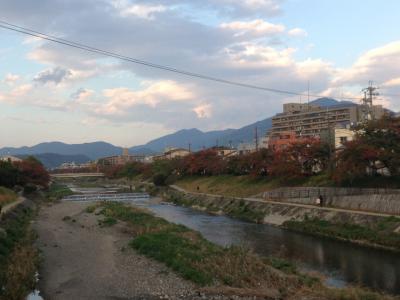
[(342, 263)]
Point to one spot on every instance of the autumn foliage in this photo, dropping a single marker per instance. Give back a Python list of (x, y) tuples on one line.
[(29, 171), (375, 151)]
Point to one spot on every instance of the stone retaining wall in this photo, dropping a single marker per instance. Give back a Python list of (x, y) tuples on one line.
[(371, 200), (274, 213)]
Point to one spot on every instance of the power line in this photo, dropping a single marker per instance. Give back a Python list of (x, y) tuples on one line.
[(27, 31)]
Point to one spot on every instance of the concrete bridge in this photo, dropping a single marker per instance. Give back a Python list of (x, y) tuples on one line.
[(76, 175), (107, 197)]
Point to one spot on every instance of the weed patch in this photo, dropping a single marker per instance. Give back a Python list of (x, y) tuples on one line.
[(380, 233)]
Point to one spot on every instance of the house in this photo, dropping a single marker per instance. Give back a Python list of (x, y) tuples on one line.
[(10, 158)]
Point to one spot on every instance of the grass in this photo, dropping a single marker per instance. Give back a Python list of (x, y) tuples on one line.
[(18, 257), (244, 186), (57, 191), (380, 233), (7, 196), (186, 252), (227, 185), (193, 257), (239, 209)]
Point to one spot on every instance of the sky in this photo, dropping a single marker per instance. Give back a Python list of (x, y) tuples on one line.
[(50, 92)]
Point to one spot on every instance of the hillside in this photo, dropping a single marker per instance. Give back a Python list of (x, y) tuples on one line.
[(197, 138), (200, 139), (53, 160), (93, 150)]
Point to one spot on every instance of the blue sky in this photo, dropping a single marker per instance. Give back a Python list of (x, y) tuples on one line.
[(49, 92)]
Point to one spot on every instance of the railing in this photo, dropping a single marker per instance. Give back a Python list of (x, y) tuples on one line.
[(107, 197)]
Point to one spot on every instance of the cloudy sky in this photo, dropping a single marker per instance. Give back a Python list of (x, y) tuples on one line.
[(50, 92)]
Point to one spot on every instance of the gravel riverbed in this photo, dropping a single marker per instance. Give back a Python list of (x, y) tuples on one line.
[(82, 260)]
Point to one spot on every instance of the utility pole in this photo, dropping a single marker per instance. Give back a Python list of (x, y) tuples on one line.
[(190, 147), (256, 137), (369, 93)]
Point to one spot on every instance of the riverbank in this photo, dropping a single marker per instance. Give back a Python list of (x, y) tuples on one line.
[(220, 268), (7, 196), (364, 228), (18, 256)]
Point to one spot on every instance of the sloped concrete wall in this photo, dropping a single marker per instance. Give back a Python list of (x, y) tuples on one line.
[(369, 200)]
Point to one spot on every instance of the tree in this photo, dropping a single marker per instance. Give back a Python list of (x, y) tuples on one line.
[(9, 174), (32, 171)]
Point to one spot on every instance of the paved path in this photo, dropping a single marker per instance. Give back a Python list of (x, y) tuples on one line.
[(332, 209)]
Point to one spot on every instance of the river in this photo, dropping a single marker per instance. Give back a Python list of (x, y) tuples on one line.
[(340, 262)]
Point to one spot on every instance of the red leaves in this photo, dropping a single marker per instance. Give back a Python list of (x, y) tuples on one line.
[(33, 172)]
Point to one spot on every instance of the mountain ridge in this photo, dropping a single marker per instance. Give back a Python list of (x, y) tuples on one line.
[(181, 138)]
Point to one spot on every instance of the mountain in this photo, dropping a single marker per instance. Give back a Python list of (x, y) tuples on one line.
[(53, 160), (93, 150), (233, 137), (197, 139)]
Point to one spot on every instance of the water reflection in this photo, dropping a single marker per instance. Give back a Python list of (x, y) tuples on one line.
[(341, 262)]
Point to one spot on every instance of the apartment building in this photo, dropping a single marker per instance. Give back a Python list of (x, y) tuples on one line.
[(120, 159), (307, 120)]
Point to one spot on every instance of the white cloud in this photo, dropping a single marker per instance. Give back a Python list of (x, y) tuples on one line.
[(139, 10), (10, 79), (297, 32), (119, 100), (257, 27), (392, 82), (203, 111), (377, 64)]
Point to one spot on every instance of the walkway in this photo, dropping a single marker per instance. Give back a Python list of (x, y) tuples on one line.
[(332, 209)]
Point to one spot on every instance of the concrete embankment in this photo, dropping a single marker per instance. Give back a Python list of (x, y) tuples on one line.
[(381, 201), (265, 211)]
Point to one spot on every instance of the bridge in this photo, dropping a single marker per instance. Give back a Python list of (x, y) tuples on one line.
[(107, 197), (76, 175)]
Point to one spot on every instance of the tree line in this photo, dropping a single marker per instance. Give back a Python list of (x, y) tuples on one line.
[(28, 173), (373, 153)]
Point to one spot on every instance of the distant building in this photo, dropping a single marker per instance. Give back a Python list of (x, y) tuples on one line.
[(282, 140), (338, 136), (120, 159), (10, 158), (308, 120), (176, 152), (169, 153)]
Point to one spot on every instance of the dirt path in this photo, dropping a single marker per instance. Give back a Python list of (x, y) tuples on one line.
[(84, 261)]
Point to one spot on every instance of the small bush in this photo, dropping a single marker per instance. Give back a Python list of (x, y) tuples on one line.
[(159, 179)]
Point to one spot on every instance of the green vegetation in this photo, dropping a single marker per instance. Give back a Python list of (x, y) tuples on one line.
[(7, 196), (380, 233), (108, 221), (189, 254), (236, 208), (18, 257), (227, 185), (91, 208), (57, 191), (196, 259)]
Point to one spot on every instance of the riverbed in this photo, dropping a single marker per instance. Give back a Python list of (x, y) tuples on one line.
[(340, 263)]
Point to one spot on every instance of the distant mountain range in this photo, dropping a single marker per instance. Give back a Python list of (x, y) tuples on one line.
[(197, 138), (53, 160)]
